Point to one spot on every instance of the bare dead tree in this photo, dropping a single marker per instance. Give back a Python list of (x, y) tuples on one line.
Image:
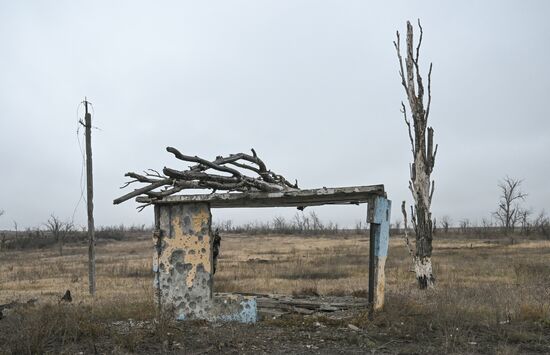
[(397, 226), (509, 211), (16, 228), (446, 223), (542, 224), (229, 176), (423, 152), (59, 230), (464, 225), (3, 241), (317, 224), (406, 231), (525, 221)]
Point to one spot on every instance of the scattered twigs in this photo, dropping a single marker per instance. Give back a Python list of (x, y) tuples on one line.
[(171, 181)]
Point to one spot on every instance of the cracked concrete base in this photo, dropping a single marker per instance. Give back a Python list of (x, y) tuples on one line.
[(224, 308)]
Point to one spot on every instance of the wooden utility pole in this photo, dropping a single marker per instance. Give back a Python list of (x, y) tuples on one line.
[(90, 197)]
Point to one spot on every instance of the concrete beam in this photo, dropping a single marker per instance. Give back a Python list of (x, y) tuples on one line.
[(299, 198)]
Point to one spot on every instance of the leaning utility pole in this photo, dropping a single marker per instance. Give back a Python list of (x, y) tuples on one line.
[(90, 197)]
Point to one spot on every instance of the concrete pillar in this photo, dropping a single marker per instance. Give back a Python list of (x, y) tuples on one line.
[(183, 258), (379, 214), (183, 269)]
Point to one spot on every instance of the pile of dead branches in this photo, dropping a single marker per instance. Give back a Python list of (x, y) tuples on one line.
[(228, 176)]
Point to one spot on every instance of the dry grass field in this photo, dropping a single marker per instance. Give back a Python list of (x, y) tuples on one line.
[(491, 297)]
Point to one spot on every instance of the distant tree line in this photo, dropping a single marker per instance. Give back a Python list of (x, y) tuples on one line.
[(56, 231), (510, 217), (301, 223)]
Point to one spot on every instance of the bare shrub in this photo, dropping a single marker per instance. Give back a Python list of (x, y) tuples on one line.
[(306, 291), (397, 226), (542, 225), (301, 223), (446, 222), (59, 230), (317, 225), (464, 225), (280, 225), (525, 222), (359, 227)]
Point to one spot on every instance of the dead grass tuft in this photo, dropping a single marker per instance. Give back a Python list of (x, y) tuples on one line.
[(307, 291)]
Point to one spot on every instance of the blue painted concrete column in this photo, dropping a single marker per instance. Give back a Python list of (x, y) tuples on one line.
[(379, 213)]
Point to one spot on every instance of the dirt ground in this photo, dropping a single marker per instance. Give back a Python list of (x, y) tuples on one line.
[(492, 296)]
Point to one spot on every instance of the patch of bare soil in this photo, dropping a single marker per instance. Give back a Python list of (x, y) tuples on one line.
[(268, 337)]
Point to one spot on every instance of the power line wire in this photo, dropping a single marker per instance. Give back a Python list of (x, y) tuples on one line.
[(83, 165)]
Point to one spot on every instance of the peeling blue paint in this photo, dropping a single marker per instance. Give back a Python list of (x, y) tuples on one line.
[(180, 316), (381, 216)]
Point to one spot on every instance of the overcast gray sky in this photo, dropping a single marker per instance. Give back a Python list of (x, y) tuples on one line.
[(313, 86)]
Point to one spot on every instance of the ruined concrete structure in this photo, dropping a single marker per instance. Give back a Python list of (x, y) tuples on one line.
[(183, 261), (183, 266)]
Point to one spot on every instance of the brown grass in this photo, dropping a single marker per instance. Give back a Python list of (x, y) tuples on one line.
[(490, 296)]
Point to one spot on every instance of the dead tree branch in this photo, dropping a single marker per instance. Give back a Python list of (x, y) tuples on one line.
[(406, 230), (171, 181)]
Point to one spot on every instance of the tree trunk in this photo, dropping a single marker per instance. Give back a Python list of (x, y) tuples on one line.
[(422, 147), (423, 271), (422, 221)]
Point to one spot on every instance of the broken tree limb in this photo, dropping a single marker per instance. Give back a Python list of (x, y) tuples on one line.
[(406, 230), (201, 161), (199, 176), (141, 191)]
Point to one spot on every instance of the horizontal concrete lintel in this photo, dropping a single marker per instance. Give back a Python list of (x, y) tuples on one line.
[(299, 198)]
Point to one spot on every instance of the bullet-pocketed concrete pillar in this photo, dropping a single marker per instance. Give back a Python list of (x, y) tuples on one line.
[(183, 267)]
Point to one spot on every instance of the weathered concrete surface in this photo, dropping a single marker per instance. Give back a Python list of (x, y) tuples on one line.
[(227, 308), (183, 259), (183, 266), (379, 281), (299, 198), (234, 308)]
